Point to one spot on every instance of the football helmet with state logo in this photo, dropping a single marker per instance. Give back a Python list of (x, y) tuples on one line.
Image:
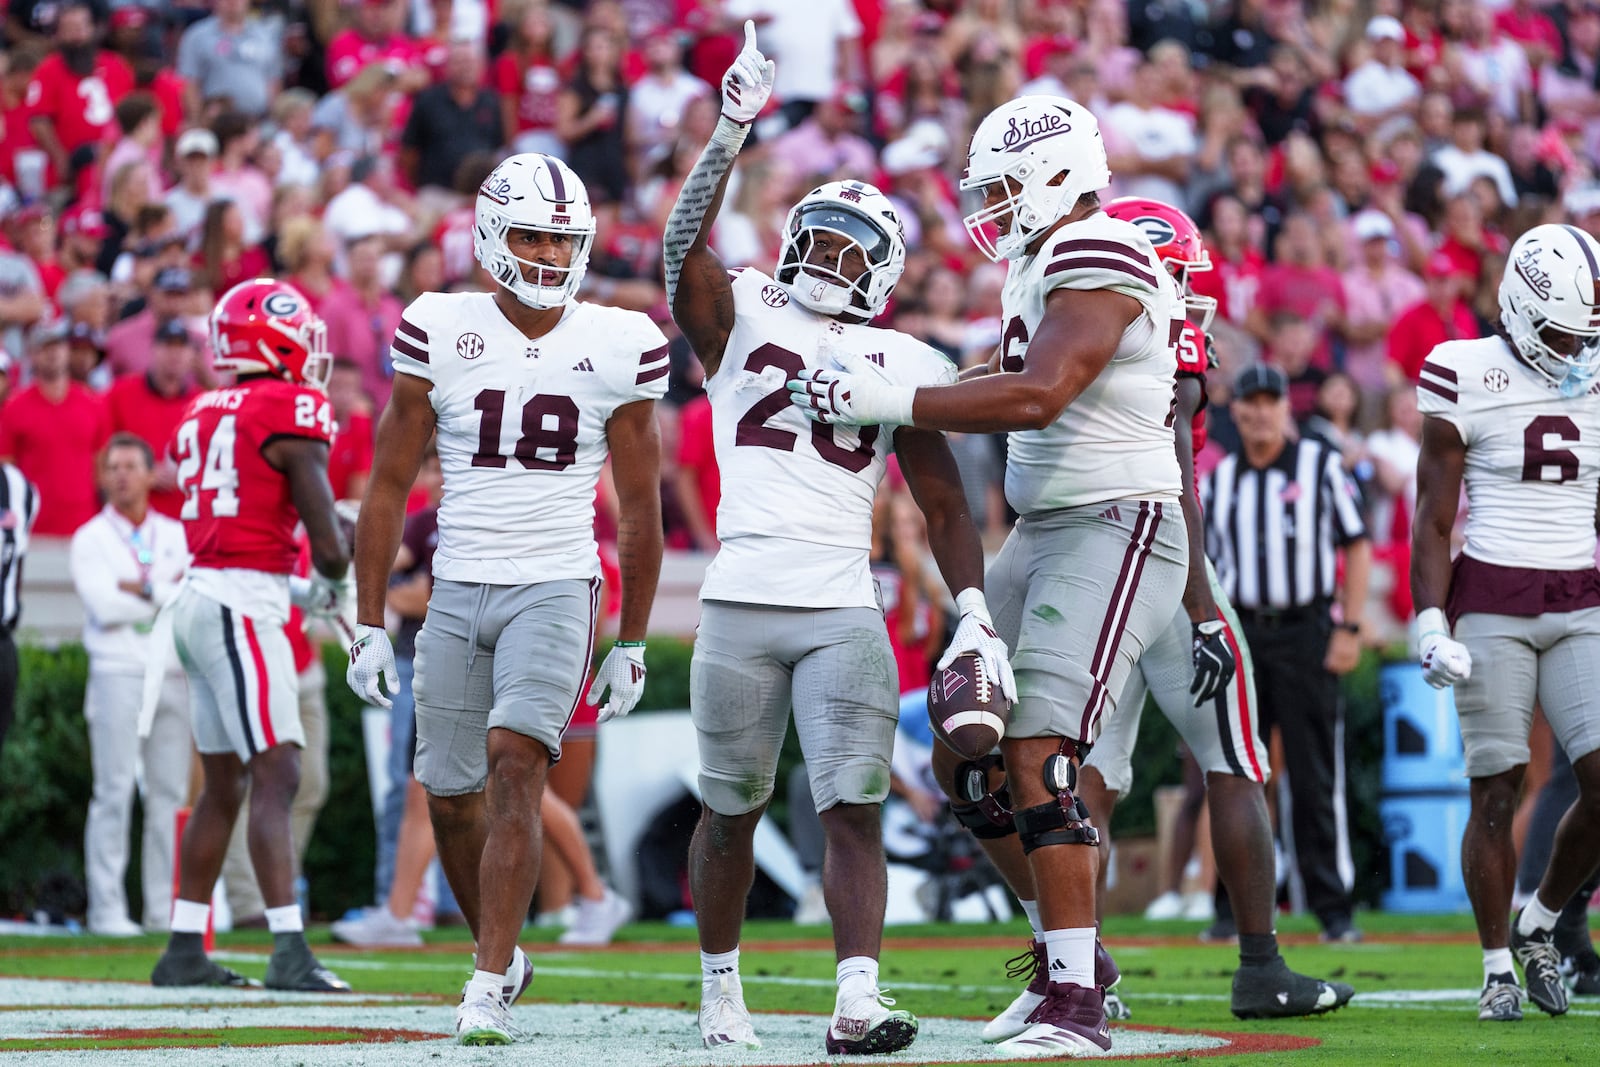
[(1047, 152), (532, 191), (1178, 245), (1551, 285), (264, 326), (867, 220)]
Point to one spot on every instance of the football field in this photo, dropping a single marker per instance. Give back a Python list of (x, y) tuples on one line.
[(87, 1001)]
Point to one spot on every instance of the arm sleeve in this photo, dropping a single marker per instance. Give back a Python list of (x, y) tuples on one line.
[(410, 349), (1342, 496)]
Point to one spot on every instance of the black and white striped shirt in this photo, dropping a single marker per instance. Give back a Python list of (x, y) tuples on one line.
[(1273, 533), (19, 507)]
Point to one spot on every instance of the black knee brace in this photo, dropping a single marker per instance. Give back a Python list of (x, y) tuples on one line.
[(1062, 821), (987, 813)]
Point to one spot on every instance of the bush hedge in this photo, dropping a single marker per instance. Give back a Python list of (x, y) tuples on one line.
[(45, 780)]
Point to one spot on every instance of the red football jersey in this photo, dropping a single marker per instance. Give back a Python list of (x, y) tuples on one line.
[(81, 109), (237, 509), (1194, 359)]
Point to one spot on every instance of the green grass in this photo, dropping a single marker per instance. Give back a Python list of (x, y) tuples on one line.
[(1170, 980)]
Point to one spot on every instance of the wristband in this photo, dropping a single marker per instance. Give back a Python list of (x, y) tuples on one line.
[(627, 644), (729, 134), (1432, 621), (970, 601)]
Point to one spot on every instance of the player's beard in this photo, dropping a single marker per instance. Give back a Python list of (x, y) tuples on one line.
[(79, 58)]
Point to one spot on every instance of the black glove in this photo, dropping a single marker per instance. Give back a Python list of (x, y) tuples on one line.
[(1213, 660)]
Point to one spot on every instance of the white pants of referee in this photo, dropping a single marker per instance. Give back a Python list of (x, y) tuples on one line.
[(111, 708)]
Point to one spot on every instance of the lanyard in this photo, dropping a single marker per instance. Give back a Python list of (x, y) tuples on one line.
[(143, 554)]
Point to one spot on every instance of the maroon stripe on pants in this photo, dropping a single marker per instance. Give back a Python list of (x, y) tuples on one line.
[(588, 660), (1117, 611)]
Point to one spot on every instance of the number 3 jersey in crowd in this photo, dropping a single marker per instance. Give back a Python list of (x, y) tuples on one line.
[(795, 518), (238, 513), (522, 428)]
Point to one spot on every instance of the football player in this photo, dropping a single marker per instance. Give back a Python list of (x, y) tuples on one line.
[(529, 389), (1198, 669), (252, 464), (1516, 617), (789, 614), (1095, 569)]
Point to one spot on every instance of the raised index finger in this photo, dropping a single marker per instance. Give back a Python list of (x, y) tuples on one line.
[(749, 35)]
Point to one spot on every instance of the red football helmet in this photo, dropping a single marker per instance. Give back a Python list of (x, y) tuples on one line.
[(266, 327), (1177, 242)]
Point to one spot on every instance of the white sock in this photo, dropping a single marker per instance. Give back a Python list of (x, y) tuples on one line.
[(1535, 917), (857, 975), (1497, 961), (1071, 955), (1030, 908), (715, 965), (285, 920), (190, 916), (486, 983)]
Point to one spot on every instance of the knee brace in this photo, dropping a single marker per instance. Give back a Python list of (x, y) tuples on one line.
[(986, 812), (1062, 821)]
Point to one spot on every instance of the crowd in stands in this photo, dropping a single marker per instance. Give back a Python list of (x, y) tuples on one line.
[(1359, 168)]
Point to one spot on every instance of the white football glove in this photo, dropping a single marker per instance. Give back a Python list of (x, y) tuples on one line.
[(855, 395), (318, 596), (976, 634), (622, 672), (748, 83), (372, 658), (1445, 661)]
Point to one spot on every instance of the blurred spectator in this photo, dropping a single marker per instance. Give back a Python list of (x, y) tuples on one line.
[(1300, 283), (1394, 452), (1381, 88), (1376, 289), (22, 162), (350, 455), (139, 120), (86, 358), (150, 404), (1466, 158), (528, 79), (1292, 347), (32, 233), (362, 318), (74, 90), (31, 23), (307, 253), (450, 121), (816, 45), (1493, 65), (232, 59), (591, 114), (225, 258), (130, 192), (22, 298), (423, 272), (370, 206), (1150, 147), (85, 299), (19, 510), (129, 343), (376, 38), (82, 230), (52, 432), (195, 156), (1282, 97), (291, 114), (126, 562), (1440, 316), (357, 118), (698, 481), (828, 145), (1467, 241), (1334, 420), (657, 101), (236, 177)]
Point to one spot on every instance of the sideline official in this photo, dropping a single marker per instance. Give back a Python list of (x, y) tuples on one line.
[(1277, 513)]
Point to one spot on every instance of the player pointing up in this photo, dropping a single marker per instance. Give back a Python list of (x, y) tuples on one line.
[(789, 615), (529, 390)]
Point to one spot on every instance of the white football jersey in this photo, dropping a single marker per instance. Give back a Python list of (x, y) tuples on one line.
[(1115, 440), (522, 428), (1533, 456), (795, 519)]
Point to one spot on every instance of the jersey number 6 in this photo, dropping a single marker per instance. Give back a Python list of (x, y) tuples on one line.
[(753, 428), (1538, 458)]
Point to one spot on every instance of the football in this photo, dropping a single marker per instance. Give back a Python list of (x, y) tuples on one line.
[(966, 707)]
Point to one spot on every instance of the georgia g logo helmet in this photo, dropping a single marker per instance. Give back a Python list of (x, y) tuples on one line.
[(532, 191), (264, 326)]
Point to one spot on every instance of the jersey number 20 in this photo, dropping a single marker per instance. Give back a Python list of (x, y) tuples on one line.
[(213, 472), (753, 428)]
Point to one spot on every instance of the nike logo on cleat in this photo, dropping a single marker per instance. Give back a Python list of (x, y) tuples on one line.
[(1283, 998)]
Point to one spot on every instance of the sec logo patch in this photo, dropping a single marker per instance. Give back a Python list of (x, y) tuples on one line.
[(469, 346), (774, 296), (1496, 380)]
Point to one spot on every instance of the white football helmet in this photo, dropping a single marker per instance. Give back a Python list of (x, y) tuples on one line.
[(1032, 141), (862, 215), (1552, 281), (533, 192)]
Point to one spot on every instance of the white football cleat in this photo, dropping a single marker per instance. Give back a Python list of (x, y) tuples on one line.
[(598, 921), (376, 928), (482, 1019), (724, 1020), (519, 977), (1168, 905), (865, 1025)]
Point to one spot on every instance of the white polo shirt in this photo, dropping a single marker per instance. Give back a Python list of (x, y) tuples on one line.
[(108, 549)]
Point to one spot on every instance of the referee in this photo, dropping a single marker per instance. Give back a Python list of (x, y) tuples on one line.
[(1277, 512), (19, 506)]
